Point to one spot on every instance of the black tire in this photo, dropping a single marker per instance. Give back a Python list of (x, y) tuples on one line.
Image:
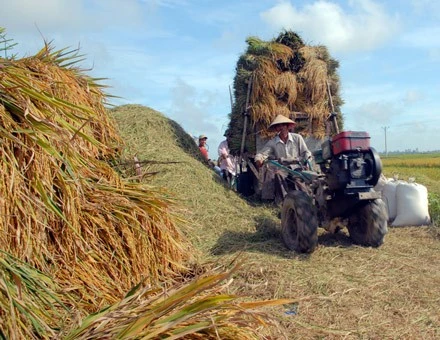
[(299, 223), (368, 225)]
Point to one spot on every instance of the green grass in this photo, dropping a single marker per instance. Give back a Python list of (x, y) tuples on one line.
[(434, 208)]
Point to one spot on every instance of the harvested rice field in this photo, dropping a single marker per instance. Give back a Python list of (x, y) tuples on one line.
[(113, 226), (341, 291)]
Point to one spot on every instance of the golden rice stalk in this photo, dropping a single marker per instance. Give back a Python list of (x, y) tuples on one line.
[(30, 306), (318, 110), (263, 81), (291, 39), (301, 101), (256, 46), (314, 81), (5, 43), (242, 78), (262, 111), (281, 53), (246, 63), (282, 109), (309, 53), (275, 51), (319, 128), (322, 53), (263, 132), (64, 209), (39, 87), (196, 310), (285, 88), (310, 67), (262, 99)]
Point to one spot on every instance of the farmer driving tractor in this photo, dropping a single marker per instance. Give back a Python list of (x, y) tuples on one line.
[(290, 150)]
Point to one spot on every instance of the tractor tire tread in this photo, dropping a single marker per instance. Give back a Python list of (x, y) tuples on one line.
[(368, 225), (299, 223)]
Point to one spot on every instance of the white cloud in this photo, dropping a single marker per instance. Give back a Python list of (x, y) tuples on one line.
[(375, 113), (359, 93), (21, 16), (412, 136), (365, 27), (397, 138), (412, 96), (193, 109)]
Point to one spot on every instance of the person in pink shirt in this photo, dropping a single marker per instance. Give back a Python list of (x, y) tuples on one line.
[(227, 162)]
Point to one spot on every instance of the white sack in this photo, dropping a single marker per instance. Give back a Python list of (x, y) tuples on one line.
[(389, 197), (381, 183), (412, 205)]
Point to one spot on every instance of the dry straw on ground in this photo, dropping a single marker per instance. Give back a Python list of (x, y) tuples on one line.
[(340, 291), (199, 309)]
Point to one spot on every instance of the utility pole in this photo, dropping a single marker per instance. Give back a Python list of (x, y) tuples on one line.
[(386, 149)]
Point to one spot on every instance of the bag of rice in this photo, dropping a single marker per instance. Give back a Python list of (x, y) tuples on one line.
[(412, 205)]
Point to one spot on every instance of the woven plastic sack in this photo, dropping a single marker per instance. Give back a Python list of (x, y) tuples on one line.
[(412, 205), (389, 197)]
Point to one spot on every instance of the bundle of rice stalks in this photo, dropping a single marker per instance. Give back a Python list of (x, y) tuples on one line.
[(286, 76), (245, 65), (63, 207), (256, 46), (199, 309), (30, 303), (286, 88), (314, 81), (290, 39), (263, 76), (275, 50), (33, 306)]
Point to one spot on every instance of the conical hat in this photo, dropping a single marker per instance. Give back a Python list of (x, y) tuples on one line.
[(280, 119)]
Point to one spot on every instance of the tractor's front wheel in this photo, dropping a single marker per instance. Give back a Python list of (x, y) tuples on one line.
[(368, 225), (299, 223)]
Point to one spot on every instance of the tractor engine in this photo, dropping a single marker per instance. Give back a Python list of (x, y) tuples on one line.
[(350, 165)]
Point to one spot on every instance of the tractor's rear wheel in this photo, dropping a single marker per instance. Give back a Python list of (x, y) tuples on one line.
[(299, 223), (368, 225)]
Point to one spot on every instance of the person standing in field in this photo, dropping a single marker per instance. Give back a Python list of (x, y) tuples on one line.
[(202, 146), (227, 162), (204, 151)]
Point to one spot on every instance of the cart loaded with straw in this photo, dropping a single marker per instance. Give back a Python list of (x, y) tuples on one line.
[(285, 76)]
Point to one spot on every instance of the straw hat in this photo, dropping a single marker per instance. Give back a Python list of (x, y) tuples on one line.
[(280, 119)]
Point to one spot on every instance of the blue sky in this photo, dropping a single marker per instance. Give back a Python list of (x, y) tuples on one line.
[(179, 56)]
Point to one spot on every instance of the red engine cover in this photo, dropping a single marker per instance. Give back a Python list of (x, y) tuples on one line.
[(350, 141)]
